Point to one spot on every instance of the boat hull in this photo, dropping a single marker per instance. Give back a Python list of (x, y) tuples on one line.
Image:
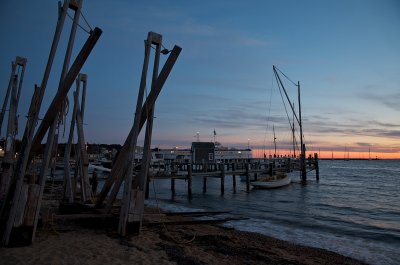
[(272, 184)]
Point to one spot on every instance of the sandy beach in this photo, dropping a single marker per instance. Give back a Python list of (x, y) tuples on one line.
[(60, 241)]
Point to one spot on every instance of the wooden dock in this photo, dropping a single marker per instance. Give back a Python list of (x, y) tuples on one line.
[(253, 167)]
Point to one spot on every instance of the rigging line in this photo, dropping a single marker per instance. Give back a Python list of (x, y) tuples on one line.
[(283, 101), (286, 76), (269, 112), (85, 30), (87, 23)]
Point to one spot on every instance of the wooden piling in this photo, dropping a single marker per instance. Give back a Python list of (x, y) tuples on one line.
[(233, 178), (173, 185), (316, 166), (204, 184), (190, 181), (247, 177), (222, 167)]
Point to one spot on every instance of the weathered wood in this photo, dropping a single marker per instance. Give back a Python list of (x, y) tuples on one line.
[(8, 159), (19, 215), (65, 86), (84, 161), (190, 181), (316, 166), (6, 99), (222, 168), (30, 210), (138, 205), (233, 178), (27, 143), (68, 191), (12, 115), (151, 98), (128, 163), (173, 185), (247, 177), (66, 80)]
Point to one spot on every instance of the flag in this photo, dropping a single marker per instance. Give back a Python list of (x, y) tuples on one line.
[(215, 133)]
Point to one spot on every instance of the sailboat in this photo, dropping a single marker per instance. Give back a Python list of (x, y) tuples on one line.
[(277, 180)]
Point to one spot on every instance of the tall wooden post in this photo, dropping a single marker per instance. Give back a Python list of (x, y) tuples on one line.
[(233, 177), (222, 168), (137, 205), (316, 166), (132, 198), (8, 158), (118, 170), (18, 66), (27, 144), (247, 177), (68, 191), (190, 181), (173, 186), (6, 99), (130, 155)]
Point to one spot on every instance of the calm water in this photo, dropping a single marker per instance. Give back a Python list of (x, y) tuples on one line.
[(354, 209)]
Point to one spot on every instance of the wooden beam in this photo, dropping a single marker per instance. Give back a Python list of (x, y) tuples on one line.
[(151, 98), (54, 107)]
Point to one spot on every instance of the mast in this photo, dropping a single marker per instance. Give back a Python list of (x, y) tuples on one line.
[(303, 147), (273, 129), (294, 137), (299, 121)]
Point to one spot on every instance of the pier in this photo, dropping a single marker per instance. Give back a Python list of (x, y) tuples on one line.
[(250, 168)]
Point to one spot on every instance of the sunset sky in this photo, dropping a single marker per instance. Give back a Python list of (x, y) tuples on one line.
[(346, 55)]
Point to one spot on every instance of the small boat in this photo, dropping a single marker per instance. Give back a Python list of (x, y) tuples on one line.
[(271, 182)]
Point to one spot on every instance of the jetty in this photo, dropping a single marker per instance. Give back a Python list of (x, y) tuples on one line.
[(250, 169)]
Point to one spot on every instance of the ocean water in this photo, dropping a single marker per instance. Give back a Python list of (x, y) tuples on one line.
[(354, 209)]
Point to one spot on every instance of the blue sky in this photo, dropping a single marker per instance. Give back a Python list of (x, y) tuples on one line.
[(344, 53)]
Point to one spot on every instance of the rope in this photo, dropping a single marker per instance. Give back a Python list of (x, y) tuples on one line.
[(268, 115), (286, 76), (85, 30), (283, 101), (87, 23)]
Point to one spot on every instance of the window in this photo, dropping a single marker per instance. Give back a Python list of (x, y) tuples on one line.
[(210, 156)]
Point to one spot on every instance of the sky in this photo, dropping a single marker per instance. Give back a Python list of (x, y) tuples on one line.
[(345, 54)]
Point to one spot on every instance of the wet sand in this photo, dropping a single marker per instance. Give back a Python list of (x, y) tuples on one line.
[(61, 241)]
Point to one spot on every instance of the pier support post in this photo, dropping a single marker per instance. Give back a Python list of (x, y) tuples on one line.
[(247, 177), (204, 184), (222, 168), (316, 166), (190, 181), (173, 186), (233, 178)]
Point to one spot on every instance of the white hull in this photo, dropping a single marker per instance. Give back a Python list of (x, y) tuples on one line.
[(271, 184)]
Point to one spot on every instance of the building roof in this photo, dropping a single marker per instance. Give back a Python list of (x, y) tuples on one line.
[(208, 145)]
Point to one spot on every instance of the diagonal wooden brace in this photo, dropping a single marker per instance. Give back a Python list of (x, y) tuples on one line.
[(149, 103)]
